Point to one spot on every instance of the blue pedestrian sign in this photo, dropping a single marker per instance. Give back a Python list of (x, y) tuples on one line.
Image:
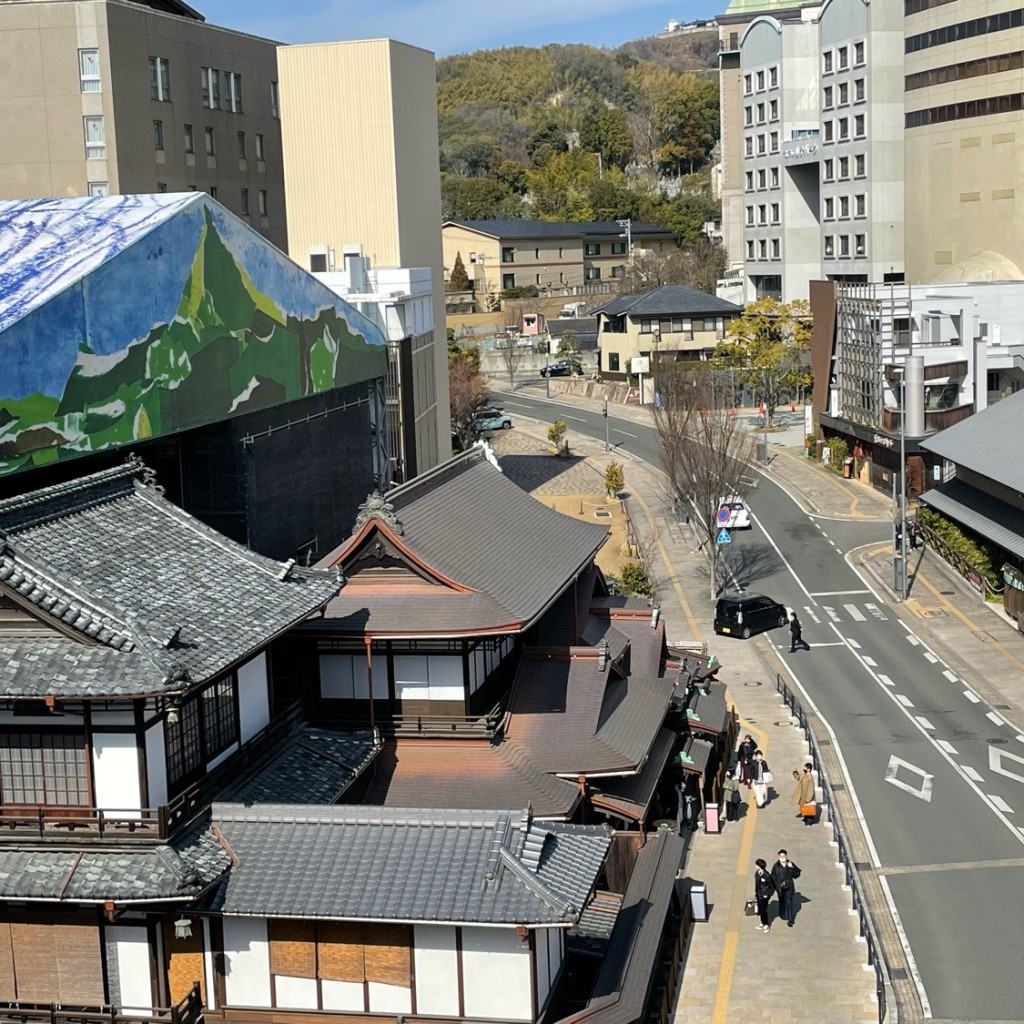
[(723, 537)]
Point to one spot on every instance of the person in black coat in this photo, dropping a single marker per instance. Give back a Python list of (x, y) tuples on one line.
[(745, 757), (784, 875), (764, 890), (796, 634)]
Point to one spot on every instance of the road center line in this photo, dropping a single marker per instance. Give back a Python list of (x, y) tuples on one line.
[(947, 747), (906, 702), (782, 558), (923, 722), (972, 697), (886, 680), (619, 430), (838, 593), (973, 775)]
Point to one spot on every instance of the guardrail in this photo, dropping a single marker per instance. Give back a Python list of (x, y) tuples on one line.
[(188, 1011), (887, 1009)]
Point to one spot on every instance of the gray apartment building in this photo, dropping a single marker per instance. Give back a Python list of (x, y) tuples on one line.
[(103, 97)]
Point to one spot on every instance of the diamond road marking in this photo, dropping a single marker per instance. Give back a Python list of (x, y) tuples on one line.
[(854, 645), (998, 801), (951, 676), (994, 718), (931, 657), (972, 697), (946, 746), (923, 722), (886, 680), (855, 613), (971, 773), (922, 792), (905, 701), (912, 639), (870, 661), (996, 757)]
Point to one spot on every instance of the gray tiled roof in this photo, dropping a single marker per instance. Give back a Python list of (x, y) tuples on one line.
[(114, 561), (472, 525), (164, 872), (994, 519), (668, 300), (397, 864), (315, 766), (513, 229), (977, 443)]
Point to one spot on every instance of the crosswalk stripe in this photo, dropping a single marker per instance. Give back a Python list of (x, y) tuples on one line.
[(855, 613)]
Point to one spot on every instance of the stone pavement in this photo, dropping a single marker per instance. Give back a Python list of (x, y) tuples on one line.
[(816, 971)]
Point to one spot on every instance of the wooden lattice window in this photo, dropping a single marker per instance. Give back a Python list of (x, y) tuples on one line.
[(46, 769)]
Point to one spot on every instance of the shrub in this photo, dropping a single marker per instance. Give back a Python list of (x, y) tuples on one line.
[(527, 291), (556, 433), (960, 550), (614, 478), (634, 579), (840, 450)]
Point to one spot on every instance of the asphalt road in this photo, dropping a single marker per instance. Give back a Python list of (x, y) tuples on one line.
[(931, 766)]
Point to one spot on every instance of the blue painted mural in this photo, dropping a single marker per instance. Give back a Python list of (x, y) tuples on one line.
[(129, 317)]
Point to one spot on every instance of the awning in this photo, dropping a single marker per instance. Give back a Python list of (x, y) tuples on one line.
[(630, 796), (994, 519)]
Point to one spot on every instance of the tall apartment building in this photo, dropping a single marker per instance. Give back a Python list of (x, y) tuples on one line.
[(861, 142), (105, 97), (359, 125)]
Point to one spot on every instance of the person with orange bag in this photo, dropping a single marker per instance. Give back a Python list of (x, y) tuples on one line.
[(803, 795)]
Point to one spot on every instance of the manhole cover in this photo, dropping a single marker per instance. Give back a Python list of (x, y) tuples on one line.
[(997, 741), (948, 593), (602, 513), (784, 723), (757, 683)]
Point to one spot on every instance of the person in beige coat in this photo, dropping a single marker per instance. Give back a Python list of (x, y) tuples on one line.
[(803, 794)]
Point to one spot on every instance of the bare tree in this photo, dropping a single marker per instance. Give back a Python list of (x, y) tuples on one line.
[(511, 355), (468, 394), (707, 452)]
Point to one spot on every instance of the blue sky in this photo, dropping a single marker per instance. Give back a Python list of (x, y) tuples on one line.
[(456, 26)]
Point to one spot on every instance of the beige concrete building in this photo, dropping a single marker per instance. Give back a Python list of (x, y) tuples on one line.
[(964, 92), (360, 153), (116, 97)]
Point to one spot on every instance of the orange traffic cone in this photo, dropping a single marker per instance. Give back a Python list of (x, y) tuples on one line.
[(792, 406)]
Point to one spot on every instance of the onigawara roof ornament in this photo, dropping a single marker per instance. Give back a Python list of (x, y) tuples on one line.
[(377, 506)]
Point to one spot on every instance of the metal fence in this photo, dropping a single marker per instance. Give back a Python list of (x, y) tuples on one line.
[(887, 1009)]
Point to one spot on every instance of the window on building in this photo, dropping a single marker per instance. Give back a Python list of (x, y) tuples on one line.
[(260, 152), (844, 245), (859, 244), (775, 213), (750, 249), (750, 215), (760, 178), (750, 181), (211, 149), (508, 280), (830, 245), (844, 206), (159, 79), (95, 138), (774, 177), (828, 170), (760, 113), (158, 135), (747, 85), (207, 725), (762, 249), (830, 208), (244, 203), (592, 249), (826, 97), (748, 116), (618, 248), (508, 254), (613, 362), (844, 128), (161, 186), (318, 262), (233, 92), (860, 205), (843, 57), (826, 62), (190, 139), (844, 167), (618, 271), (275, 107), (844, 93), (748, 146), (240, 137), (211, 88), (776, 249), (858, 90), (89, 70), (760, 80), (762, 214), (761, 144), (858, 53), (43, 769), (773, 110), (773, 77), (773, 142), (592, 273), (860, 165), (99, 188), (828, 136), (213, 191), (858, 126), (261, 198)]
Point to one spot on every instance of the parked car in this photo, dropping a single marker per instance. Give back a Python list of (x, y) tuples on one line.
[(556, 370), (739, 514), (745, 614), (493, 419)]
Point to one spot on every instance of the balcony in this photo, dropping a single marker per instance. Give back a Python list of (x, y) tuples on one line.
[(935, 419), (188, 1011)]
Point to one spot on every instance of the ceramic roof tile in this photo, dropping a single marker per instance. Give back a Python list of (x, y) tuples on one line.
[(668, 300)]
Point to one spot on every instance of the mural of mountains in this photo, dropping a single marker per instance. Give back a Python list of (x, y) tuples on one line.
[(229, 349)]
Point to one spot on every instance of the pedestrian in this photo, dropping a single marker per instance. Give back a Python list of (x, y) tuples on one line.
[(803, 795), (796, 634), (745, 756), (784, 875), (760, 775), (764, 889), (731, 796)]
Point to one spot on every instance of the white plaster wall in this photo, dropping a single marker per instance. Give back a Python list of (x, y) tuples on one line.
[(436, 966), (295, 993), (412, 681), (246, 962), (115, 761), (389, 998), (208, 970), (156, 764), (343, 995), (253, 699), (496, 974), (133, 968), (446, 678)]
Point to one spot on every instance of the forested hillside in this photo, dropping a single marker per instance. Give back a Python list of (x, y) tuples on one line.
[(581, 133)]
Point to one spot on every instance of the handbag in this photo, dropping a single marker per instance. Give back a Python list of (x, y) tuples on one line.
[(767, 777), (809, 810), (750, 908)]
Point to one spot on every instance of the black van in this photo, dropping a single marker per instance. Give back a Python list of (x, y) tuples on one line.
[(748, 613)]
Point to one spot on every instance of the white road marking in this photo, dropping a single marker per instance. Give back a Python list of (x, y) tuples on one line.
[(838, 593), (782, 558), (905, 701), (855, 613), (923, 722), (971, 773), (578, 419), (923, 791), (831, 613), (930, 657), (886, 680), (1001, 804), (995, 763), (900, 622), (827, 643), (875, 611), (972, 697), (926, 1007), (853, 643), (951, 676), (994, 718), (619, 430), (947, 747), (812, 614), (912, 639), (870, 661)]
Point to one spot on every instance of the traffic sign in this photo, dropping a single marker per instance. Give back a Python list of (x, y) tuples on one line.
[(723, 515), (724, 537)]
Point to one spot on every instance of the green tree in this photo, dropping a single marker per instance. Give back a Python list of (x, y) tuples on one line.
[(547, 139), (556, 433), (614, 478), (766, 348), (569, 349), (478, 199), (607, 132), (686, 215), (511, 175), (686, 124), (458, 279)]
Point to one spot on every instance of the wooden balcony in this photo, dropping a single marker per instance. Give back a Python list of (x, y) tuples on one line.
[(188, 1011), (935, 419)]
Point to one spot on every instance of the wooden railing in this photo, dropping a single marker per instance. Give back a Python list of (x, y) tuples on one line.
[(188, 1011), (445, 725)]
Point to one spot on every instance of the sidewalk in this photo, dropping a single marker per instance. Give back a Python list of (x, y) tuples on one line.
[(734, 972)]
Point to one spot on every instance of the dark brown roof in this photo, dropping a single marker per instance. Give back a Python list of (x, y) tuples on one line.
[(696, 755), (629, 796), (708, 712), (646, 647), (418, 773)]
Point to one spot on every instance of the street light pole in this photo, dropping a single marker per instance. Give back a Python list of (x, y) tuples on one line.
[(903, 484), (607, 446)]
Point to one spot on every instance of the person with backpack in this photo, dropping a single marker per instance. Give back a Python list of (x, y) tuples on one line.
[(784, 875)]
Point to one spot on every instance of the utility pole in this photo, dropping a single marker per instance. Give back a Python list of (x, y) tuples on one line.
[(607, 446), (903, 482)]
